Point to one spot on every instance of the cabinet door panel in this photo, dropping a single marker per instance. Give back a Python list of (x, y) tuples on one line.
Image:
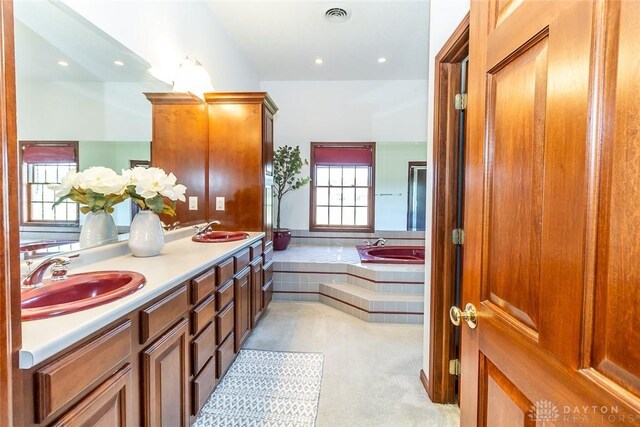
[(165, 367), (110, 405), (242, 302), (256, 292)]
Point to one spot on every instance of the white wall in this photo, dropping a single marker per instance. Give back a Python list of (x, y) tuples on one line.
[(343, 111), (76, 111), (164, 32), (444, 17)]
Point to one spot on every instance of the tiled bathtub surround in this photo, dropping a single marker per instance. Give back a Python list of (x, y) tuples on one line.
[(333, 239), (333, 275)]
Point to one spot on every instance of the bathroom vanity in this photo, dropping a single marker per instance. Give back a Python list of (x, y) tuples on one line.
[(154, 357)]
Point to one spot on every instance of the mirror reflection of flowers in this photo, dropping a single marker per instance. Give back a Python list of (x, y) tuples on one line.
[(96, 188), (152, 189)]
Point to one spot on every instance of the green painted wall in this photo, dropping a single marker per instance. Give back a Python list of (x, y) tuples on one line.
[(114, 155), (392, 169)]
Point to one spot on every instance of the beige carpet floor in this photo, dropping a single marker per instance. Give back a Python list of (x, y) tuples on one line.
[(371, 370)]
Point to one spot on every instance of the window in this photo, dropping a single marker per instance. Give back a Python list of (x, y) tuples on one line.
[(342, 188), (45, 163)]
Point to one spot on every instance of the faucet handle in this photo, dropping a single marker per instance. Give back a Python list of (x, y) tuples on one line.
[(368, 243)]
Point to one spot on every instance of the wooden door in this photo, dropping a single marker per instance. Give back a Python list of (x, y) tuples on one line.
[(242, 304), (552, 209), (165, 367), (256, 292)]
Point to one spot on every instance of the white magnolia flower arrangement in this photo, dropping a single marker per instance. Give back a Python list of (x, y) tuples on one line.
[(99, 188), (150, 188)]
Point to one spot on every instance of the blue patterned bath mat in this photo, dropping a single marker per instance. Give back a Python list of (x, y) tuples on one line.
[(266, 389)]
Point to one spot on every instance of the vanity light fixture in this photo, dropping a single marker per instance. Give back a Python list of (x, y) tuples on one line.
[(382, 60), (319, 61), (63, 63), (118, 63), (193, 78)]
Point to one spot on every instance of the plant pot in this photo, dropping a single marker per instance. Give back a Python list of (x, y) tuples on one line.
[(146, 236), (98, 229), (281, 239)]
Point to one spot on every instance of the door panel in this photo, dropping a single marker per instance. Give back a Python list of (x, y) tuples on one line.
[(617, 298), (552, 213), (515, 151)]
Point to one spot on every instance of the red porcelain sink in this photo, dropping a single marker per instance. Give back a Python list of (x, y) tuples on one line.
[(78, 292), (220, 236)]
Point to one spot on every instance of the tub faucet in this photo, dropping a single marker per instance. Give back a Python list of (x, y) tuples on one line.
[(205, 228), (33, 279), (380, 242)]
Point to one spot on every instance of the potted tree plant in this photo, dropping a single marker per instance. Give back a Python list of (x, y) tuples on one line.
[(287, 165)]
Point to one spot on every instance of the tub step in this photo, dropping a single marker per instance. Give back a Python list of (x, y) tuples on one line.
[(372, 306)]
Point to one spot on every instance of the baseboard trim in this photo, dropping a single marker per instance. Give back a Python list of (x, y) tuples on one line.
[(425, 382)]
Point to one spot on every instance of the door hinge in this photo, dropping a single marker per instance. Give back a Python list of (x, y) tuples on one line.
[(454, 367), (457, 236), (461, 101)]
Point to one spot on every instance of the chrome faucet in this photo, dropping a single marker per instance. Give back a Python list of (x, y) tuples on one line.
[(33, 279), (205, 228), (380, 242)]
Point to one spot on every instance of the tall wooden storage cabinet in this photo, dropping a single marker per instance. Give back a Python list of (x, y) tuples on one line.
[(221, 148), (241, 160)]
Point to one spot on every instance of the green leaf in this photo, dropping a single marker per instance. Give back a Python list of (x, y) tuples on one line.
[(156, 203)]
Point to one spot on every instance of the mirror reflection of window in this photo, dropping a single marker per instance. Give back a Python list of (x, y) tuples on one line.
[(45, 163)]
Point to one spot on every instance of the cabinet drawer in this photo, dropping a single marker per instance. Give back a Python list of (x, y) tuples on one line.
[(203, 385), (203, 347), (111, 404), (162, 314), (202, 286), (224, 323), (268, 272), (224, 295), (225, 355), (268, 254), (224, 270), (241, 259), (203, 314), (256, 249), (64, 379)]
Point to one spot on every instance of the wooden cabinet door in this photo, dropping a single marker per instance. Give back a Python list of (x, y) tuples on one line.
[(110, 405), (242, 303), (551, 214), (256, 292), (165, 370)]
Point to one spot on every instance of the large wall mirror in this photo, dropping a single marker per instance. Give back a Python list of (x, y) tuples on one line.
[(80, 103)]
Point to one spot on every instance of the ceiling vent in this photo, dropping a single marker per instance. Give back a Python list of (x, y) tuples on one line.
[(337, 14)]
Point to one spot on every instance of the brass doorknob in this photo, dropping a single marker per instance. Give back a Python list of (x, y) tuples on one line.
[(469, 315)]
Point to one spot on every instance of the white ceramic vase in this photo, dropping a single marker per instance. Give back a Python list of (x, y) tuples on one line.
[(98, 229), (146, 236)]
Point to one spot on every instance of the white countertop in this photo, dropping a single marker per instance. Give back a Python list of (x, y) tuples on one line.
[(181, 258)]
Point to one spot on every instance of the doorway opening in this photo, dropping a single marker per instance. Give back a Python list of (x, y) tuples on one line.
[(447, 238), (417, 196)]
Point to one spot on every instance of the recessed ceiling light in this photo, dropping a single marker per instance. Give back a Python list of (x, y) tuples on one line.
[(118, 63), (319, 61), (63, 63), (382, 60)]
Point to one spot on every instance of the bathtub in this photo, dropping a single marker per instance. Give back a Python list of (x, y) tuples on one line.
[(391, 254)]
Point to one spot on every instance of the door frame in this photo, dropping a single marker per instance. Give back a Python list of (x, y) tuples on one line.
[(10, 338), (410, 166), (440, 384)]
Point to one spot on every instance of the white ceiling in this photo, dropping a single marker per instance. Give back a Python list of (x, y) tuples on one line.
[(282, 38), (48, 32)]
